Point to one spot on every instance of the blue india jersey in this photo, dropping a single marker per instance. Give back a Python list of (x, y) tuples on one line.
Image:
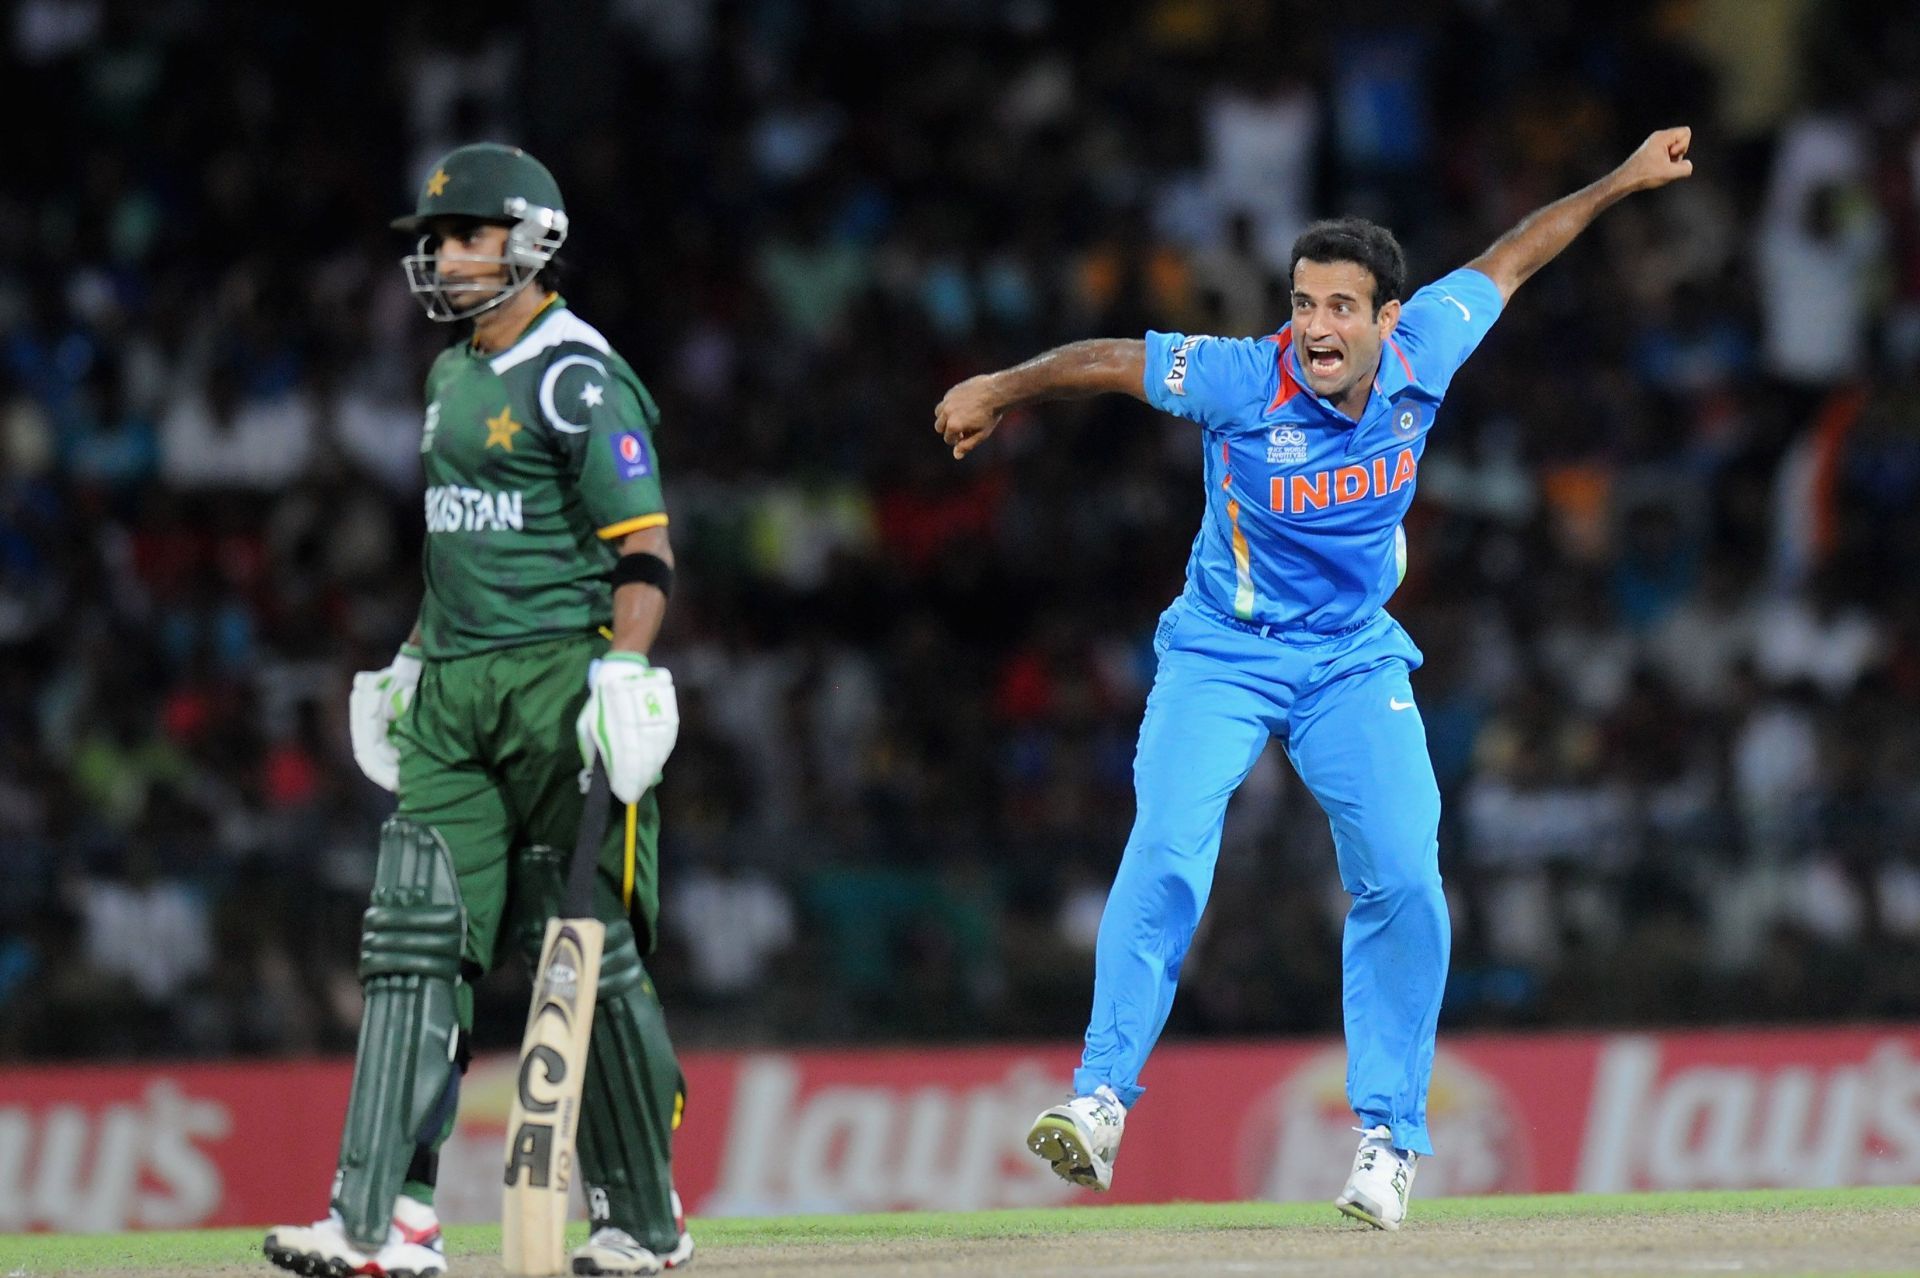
[(1304, 505)]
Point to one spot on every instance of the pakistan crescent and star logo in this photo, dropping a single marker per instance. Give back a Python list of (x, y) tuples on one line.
[(500, 429), (437, 183)]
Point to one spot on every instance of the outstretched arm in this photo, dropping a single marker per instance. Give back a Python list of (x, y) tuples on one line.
[(1542, 234), (969, 412)]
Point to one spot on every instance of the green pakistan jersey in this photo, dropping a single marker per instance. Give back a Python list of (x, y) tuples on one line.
[(538, 459)]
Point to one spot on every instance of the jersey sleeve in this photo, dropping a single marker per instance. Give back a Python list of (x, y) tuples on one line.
[(1209, 380), (603, 423), (1442, 324)]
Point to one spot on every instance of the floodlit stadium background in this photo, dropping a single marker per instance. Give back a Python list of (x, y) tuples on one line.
[(1663, 558)]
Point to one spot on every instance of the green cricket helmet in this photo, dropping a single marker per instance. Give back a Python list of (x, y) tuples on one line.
[(491, 183)]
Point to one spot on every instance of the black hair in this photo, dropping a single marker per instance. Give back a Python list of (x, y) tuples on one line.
[(1356, 240)]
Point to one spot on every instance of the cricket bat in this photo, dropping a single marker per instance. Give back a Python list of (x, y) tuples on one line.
[(545, 1118)]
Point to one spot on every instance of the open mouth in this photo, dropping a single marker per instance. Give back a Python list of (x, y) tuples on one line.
[(1324, 361)]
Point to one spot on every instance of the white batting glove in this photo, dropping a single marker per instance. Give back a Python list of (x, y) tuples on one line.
[(379, 697), (631, 720)]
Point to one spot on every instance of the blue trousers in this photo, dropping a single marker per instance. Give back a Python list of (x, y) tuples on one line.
[(1344, 709)]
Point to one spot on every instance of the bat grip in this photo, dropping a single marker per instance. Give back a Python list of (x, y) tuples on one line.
[(594, 812)]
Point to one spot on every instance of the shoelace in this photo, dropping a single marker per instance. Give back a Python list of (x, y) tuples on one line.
[(1370, 1151), (1106, 1111)]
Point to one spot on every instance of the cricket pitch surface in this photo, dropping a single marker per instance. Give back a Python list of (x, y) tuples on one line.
[(1841, 1231)]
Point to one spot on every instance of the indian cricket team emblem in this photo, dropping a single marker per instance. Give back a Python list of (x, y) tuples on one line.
[(1286, 446), (1406, 423)]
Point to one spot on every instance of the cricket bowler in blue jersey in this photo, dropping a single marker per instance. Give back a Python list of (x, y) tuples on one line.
[(1312, 438)]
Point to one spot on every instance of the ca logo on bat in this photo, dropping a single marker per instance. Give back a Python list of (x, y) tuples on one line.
[(542, 1080), (533, 1140)]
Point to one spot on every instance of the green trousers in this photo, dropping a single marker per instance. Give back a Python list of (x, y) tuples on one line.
[(488, 759), (489, 762)]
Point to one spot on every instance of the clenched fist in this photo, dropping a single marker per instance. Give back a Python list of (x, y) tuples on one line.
[(1661, 159), (968, 413)]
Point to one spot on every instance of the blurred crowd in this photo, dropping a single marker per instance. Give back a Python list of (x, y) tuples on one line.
[(1661, 563)]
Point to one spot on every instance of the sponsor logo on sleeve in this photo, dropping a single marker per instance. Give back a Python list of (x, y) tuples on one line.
[(631, 460), (1176, 378)]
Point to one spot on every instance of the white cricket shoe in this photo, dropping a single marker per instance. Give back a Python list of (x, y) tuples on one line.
[(1082, 1137), (1381, 1179), (413, 1247), (615, 1251), (682, 1254)]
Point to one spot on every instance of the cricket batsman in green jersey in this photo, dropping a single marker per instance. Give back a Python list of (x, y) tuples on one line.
[(547, 571)]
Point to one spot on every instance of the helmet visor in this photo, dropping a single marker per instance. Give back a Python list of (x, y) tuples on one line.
[(445, 298)]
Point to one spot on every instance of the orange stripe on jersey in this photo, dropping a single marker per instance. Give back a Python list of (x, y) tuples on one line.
[(1288, 388), (1242, 552), (1403, 357)]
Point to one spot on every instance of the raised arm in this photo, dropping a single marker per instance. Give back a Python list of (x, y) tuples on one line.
[(969, 412), (1542, 234)]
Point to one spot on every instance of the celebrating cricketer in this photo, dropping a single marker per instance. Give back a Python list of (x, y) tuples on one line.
[(1312, 439)]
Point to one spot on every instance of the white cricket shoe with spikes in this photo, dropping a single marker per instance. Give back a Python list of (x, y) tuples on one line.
[(1381, 1179), (615, 1251), (322, 1250), (1082, 1137)]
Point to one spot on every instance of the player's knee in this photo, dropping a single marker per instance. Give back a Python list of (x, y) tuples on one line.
[(1406, 870), (1168, 878), (1172, 839), (414, 924), (1403, 843)]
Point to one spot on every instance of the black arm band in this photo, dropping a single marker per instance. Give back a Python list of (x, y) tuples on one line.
[(651, 569)]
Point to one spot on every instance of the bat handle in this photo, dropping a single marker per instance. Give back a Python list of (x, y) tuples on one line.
[(594, 812)]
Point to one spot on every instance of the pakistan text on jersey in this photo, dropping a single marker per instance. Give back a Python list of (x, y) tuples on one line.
[(454, 508), (1297, 494)]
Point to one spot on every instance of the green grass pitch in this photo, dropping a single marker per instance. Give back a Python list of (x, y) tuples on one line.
[(22, 1256)]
